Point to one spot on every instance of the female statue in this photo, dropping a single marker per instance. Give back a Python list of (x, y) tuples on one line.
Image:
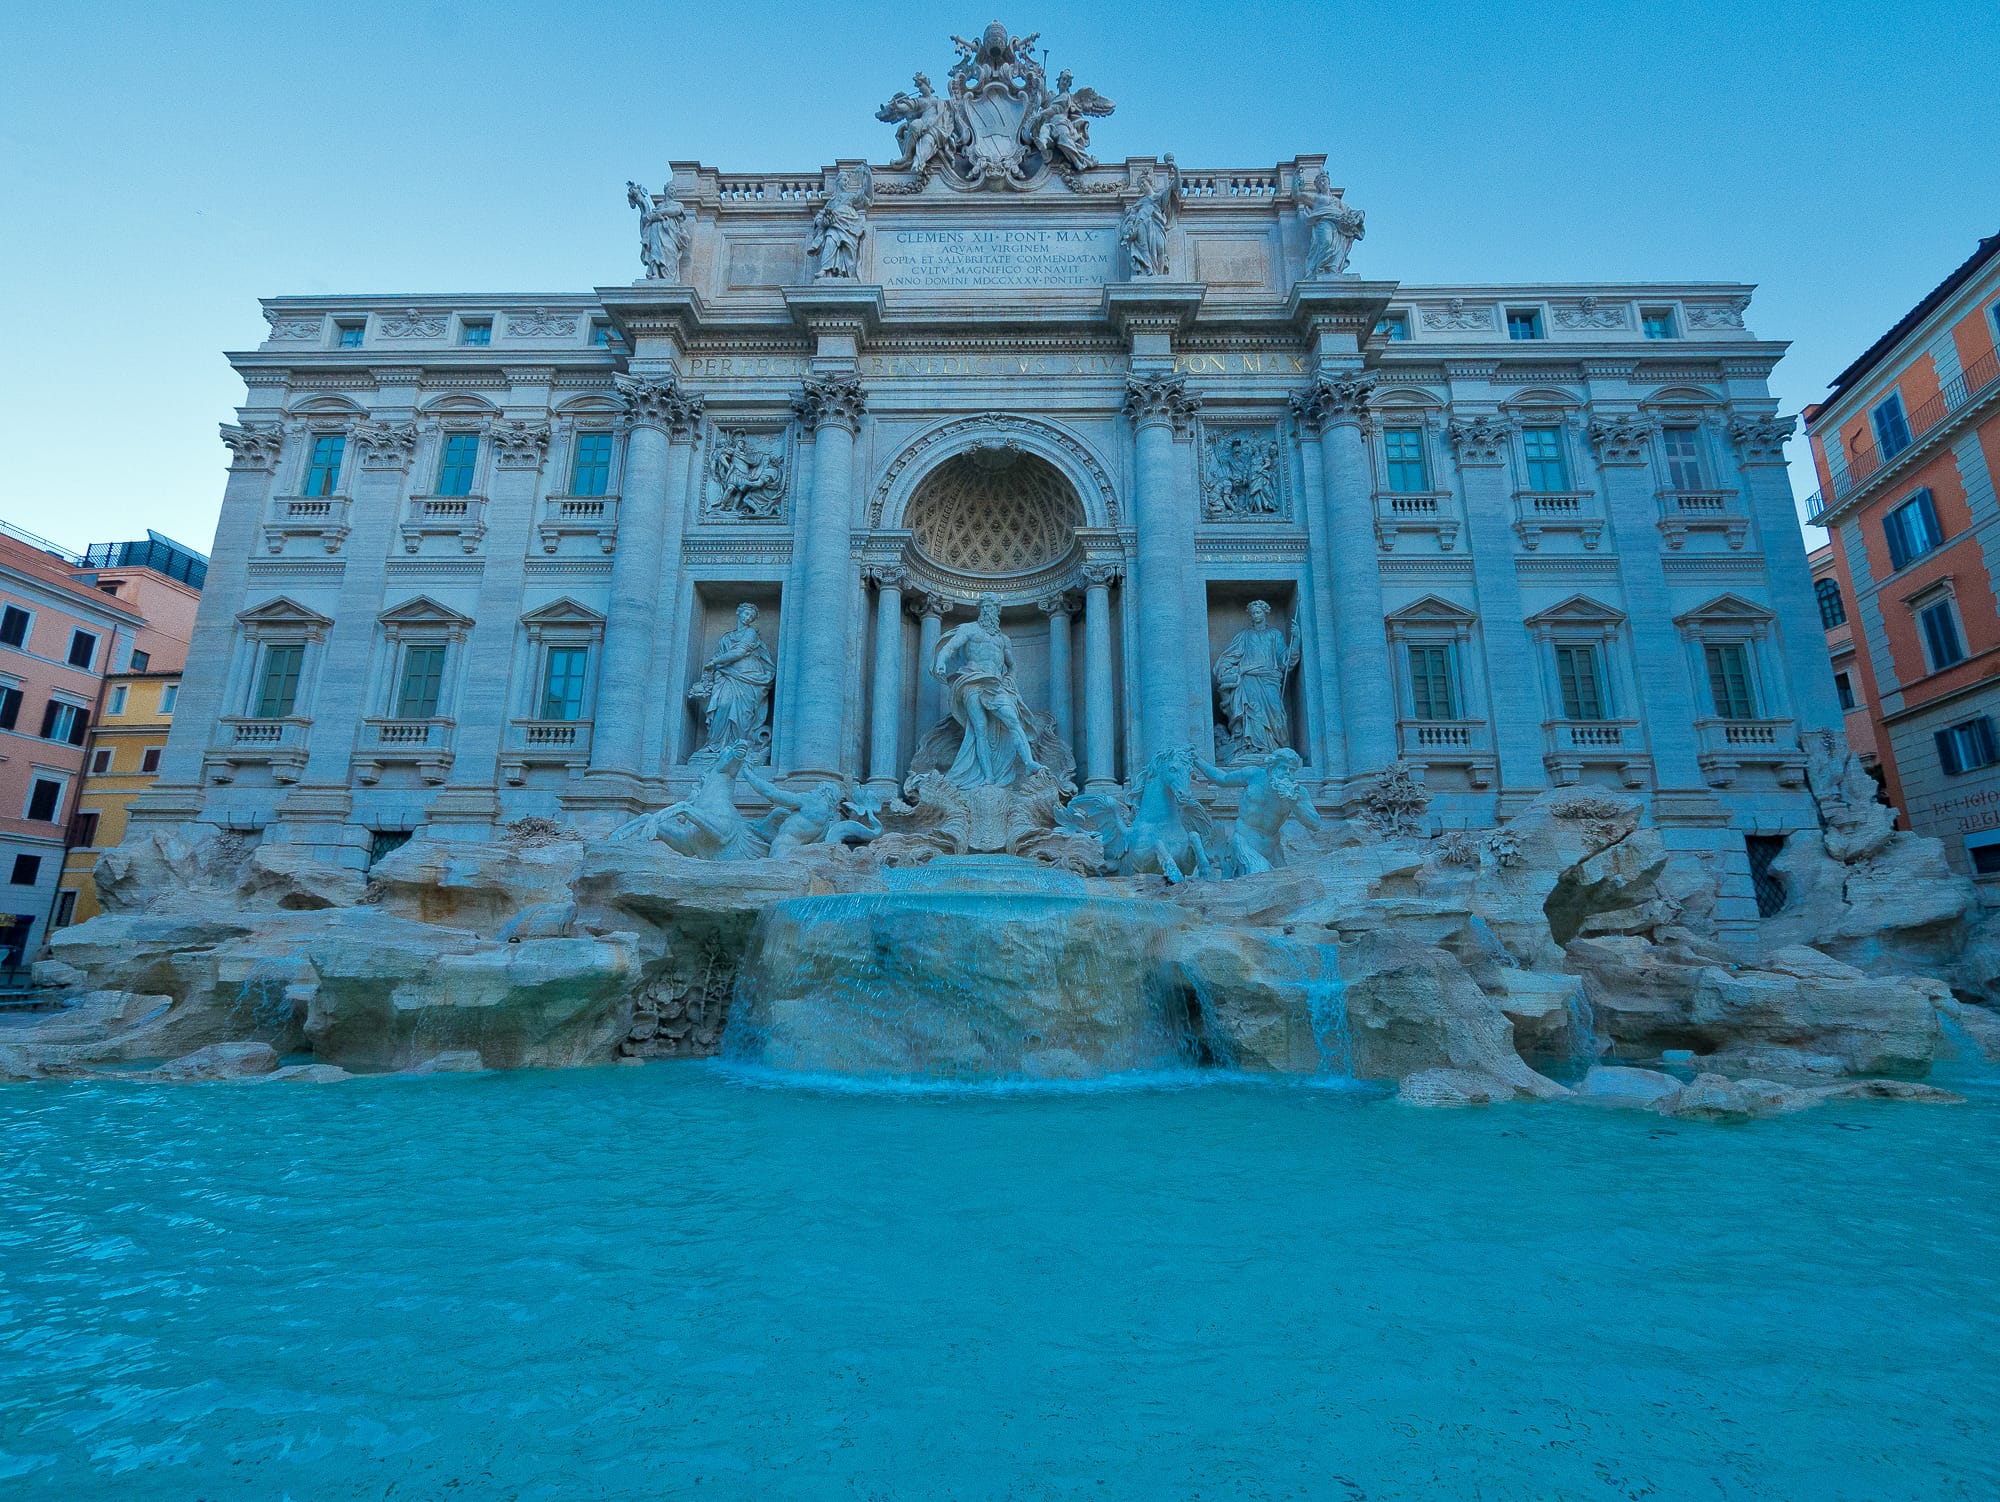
[(841, 224), (1143, 230), (663, 232), (1335, 227), (735, 687)]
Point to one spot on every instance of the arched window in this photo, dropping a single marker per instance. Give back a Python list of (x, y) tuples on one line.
[(1832, 609)]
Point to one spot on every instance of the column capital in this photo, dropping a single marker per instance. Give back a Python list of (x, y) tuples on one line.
[(1333, 400), (886, 575), (831, 401), (520, 445), (1160, 399), (1760, 438), (385, 445), (1055, 604), (1621, 439), (1102, 575), (1480, 439), (660, 404), (931, 605), (254, 445)]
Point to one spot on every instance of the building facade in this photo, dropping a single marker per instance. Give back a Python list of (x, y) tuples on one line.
[(1850, 682), (1907, 447), (482, 557)]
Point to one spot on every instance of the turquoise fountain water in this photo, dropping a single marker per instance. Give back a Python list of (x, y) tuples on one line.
[(676, 1281)]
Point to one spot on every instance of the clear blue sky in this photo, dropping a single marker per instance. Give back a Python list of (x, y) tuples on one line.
[(165, 164)]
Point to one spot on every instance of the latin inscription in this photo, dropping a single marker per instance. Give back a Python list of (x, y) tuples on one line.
[(996, 257), (1000, 366)]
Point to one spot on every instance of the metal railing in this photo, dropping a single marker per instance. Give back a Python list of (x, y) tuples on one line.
[(1861, 465)]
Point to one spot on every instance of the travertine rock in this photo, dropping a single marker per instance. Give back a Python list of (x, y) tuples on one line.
[(1560, 829), (1617, 1085), (283, 876), (1899, 910), (1453, 1087), (664, 897), (541, 920), (1550, 1013), (183, 865), (480, 886), (1256, 996), (220, 1061)]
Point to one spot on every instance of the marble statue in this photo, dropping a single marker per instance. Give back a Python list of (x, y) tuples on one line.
[(706, 825), (735, 689), (1271, 798), (842, 224), (1058, 126), (975, 662), (664, 230), (930, 129), (1143, 230), (1162, 829), (752, 479), (1250, 685), (812, 817), (1334, 227)]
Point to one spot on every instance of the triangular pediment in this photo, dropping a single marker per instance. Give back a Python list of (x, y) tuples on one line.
[(423, 611), (1727, 610), (1578, 610), (563, 612), (1432, 611), (283, 611)]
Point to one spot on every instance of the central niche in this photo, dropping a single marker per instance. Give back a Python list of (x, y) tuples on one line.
[(994, 511)]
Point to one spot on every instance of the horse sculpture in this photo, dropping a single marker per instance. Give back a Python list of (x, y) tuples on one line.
[(1165, 830)]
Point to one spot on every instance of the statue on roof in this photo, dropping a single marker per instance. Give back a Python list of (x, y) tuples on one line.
[(665, 227)]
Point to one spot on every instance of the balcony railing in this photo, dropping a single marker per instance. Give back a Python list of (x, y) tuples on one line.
[(1572, 745), (1539, 511), (278, 742), (1726, 745), (459, 516), (544, 743), (425, 743), (1685, 511), (1399, 512), (1450, 743), (579, 515), (321, 516), (1860, 465)]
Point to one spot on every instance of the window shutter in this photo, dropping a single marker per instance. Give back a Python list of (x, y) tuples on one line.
[(1926, 512), (49, 712), (1982, 741), (10, 707), (1947, 749), (1892, 532), (79, 727)]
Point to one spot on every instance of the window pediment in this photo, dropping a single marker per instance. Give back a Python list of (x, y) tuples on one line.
[(282, 613), (1433, 611), (563, 612), (421, 612), (1576, 611), (1724, 611)]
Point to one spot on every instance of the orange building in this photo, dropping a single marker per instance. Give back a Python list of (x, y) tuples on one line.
[(1907, 447)]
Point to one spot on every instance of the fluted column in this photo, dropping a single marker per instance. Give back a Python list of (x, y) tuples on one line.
[(930, 626), (885, 722), (1334, 406), (1157, 406), (831, 406), (1056, 608), (655, 412), (1098, 720), (1767, 492)]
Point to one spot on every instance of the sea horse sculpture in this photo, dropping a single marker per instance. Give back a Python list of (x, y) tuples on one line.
[(1166, 830)]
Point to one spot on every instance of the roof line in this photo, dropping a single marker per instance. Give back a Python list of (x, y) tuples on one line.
[(1900, 330)]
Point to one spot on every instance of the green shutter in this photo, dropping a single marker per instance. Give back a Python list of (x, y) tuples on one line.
[(280, 688), (1430, 684), (1729, 681), (1576, 668), (423, 677)]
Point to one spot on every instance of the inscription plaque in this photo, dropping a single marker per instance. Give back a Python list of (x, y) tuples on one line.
[(996, 257)]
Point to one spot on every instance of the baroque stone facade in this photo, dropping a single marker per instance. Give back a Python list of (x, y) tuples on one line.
[(478, 555)]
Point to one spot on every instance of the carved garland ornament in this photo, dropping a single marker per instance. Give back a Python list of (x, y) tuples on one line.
[(541, 324), (412, 323), (520, 445)]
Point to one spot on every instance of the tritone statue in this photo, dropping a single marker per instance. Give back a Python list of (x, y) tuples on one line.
[(735, 690), (1250, 686), (664, 230), (975, 662), (1272, 798)]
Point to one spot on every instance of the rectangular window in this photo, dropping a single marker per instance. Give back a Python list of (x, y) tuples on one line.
[(100, 761), (590, 469), (14, 625), (601, 335), (45, 800), (1683, 458), (1843, 688), (117, 701), (323, 468), (476, 331), (1941, 641), (1766, 885), (1548, 472), (1658, 323), (1729, 680), (141, 660), (149, 759), (350, 335), (65, 909), (1967, 746), (1524, 323), (10, 707), (1985, 858), (1832, 609), (278, 685), (84, 831), (422, 679), (1433, 695), (1892, 428), (1393, 327), (69, 723), (27, 868), (1912, 529), (1581, 684), (562, 683), (169, 694), (82, 648), (1403, 448), (461, 452)]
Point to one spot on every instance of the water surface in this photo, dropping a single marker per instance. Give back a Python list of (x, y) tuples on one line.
[(682, 1281)]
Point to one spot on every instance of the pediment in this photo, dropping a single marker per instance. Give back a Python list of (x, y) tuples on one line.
[(1433, 611), (1578, 610), (423, 611), (460, 402), (1727, 610), (283, 611), (1541, 396), (563, 612), (327, 406)]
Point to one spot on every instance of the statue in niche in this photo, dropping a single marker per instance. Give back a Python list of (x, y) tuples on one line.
[(1059, 125), (706, 825), (752, 479), (1250, 686), (1334, 228), (1272, 798), (929, 129), (734, 690), (975, 662), (842, 223), (664, 231), (1143, 230), (1241, 476)]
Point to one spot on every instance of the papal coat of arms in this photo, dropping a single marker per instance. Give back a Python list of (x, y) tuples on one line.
[(997, 123)]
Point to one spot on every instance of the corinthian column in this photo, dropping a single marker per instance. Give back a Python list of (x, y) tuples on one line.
[(1333, 406), (1056, 608), (1098, 720), (1159, 406), (831, 406), (930, 626), (1767, 491), (656, 413), (885, 722)]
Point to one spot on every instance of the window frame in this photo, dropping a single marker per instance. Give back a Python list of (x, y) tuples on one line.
[(1745, 650), (1454, 693), (104, 761), (1393, 327), (1600, 680), (576, 443), (149, 761), (326, 475), (260, 678), (12, 697), (65, 722), (27, 630), (1975, 732), (1941, 607), (1663, 316), (1566, 472), (481, 324), (1532, 316), (1391, 462), (115, 701), (457, 467), (139, 661), (1826, 589), (34, 864), (65, 914), (342, 327), (400, 680), (38, 781), (583, 654), (79, 634), (1899, 424), (1896, 534), (170, 695), (1843, 692)]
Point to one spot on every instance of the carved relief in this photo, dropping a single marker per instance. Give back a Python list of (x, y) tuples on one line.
[(412, 323), (1589, 313), (541, 324), (1717, 315), (1455, 316), (747, 477), (520, 445), (293, 328), (1479, 440), (1240, 475), (1761, 440), (1620, 440)]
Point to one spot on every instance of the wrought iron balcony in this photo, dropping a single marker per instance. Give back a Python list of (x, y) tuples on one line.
[(1855, 469)]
